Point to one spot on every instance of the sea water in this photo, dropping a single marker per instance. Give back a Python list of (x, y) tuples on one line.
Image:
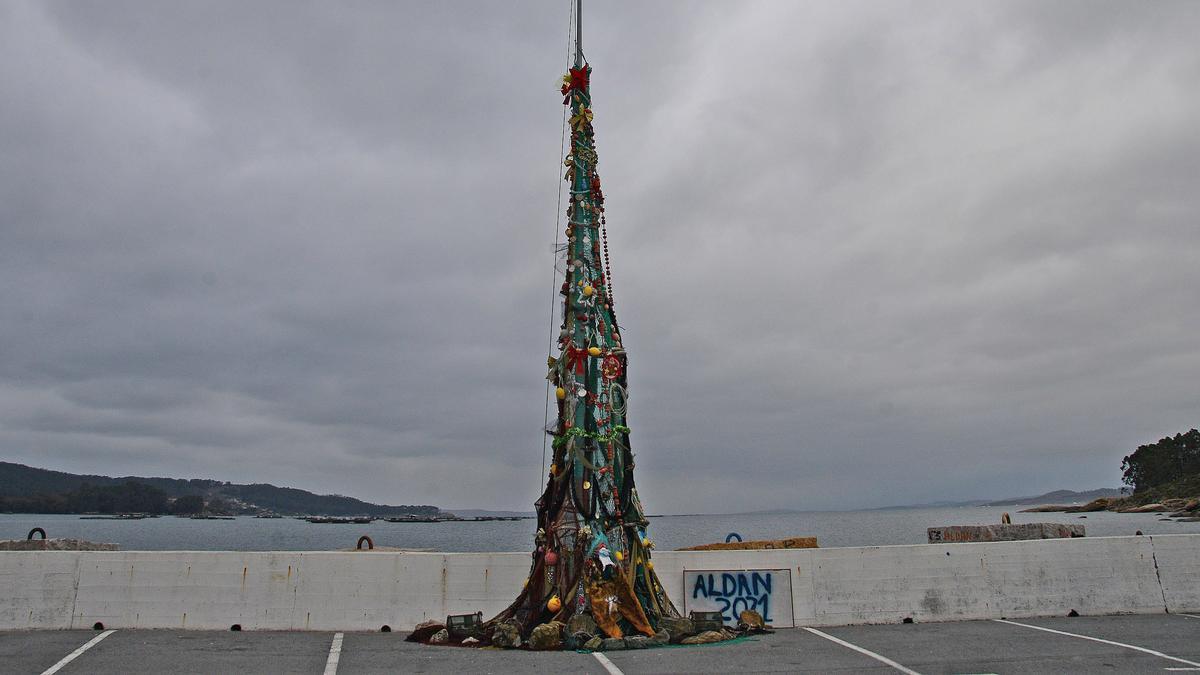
[(831, 528)]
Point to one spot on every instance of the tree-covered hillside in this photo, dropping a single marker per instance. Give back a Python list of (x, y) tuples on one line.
[(1167, 461), (26, 488)]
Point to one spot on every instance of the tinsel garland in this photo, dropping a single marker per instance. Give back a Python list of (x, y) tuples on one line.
[(603, 438)]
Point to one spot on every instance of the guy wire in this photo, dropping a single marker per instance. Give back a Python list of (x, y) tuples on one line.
[(557, 225)]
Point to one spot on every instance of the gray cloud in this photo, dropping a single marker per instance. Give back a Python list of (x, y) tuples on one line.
[(863, 254)]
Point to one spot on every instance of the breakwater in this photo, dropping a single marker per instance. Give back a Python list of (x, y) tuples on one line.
[(810, 587)]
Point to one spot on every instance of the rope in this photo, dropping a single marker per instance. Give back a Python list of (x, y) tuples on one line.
[(562, 147)]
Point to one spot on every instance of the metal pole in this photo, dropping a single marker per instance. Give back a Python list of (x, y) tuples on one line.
[(578, 33)]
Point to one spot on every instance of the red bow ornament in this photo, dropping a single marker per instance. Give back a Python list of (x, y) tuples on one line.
[(576, 79)]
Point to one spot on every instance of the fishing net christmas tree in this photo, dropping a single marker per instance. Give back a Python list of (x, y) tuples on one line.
[(592, 553)]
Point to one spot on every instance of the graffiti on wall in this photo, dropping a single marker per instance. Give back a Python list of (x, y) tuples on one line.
[(730, 592)]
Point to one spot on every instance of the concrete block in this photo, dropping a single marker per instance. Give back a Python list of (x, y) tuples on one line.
[(367, 590), (1094, 575), (1024, 531), (37, 590), (886, 584), (1177, 557)]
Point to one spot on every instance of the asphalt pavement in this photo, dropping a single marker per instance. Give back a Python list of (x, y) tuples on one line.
[(1161, 643)]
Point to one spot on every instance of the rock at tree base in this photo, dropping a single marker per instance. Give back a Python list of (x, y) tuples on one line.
[(507, 634), (637, 642), (612, 644), (677, 627), (546, 636), (707, 637), (662, 637), (577, 640), (581, 623), (594, 644), (751, 619), (469, 642), (440, 638), (425, 630)]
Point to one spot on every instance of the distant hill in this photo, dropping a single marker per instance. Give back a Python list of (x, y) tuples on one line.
[(1059, 497), (1055, 497), (20, 481), (484, 513)]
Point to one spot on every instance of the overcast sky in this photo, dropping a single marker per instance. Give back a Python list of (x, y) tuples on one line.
[(863, 253)]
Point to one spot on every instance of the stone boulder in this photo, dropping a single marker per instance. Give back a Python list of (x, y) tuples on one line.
[(425, 630), (1148, 508), (507, 635), (660, 638), (637, 642), (440, 638), (55, 545), (594, 644), (751, 619), (546, 636), (751, 622), (1095, 505), (577, 640), (581, 623), (706, 637), (612, 644)]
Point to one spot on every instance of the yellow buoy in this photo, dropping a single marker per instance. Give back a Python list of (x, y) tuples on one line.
[(619, 556), (554, 605), (588, 290), (650, 565), (587, 485), (594, 351), (560, 393)]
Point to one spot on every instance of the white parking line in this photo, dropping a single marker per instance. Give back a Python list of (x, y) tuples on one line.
[(1190, 616), (608, 665), (878, 657), (1095, 639), (335, 655), (75, 654)]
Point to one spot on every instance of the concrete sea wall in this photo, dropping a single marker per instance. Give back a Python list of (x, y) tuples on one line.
[(367, 590)]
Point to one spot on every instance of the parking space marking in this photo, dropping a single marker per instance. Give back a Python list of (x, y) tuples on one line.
[(335, 655), (1096, 639), (75, 654), (608, 665), (878, 657), (1190, 616)]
